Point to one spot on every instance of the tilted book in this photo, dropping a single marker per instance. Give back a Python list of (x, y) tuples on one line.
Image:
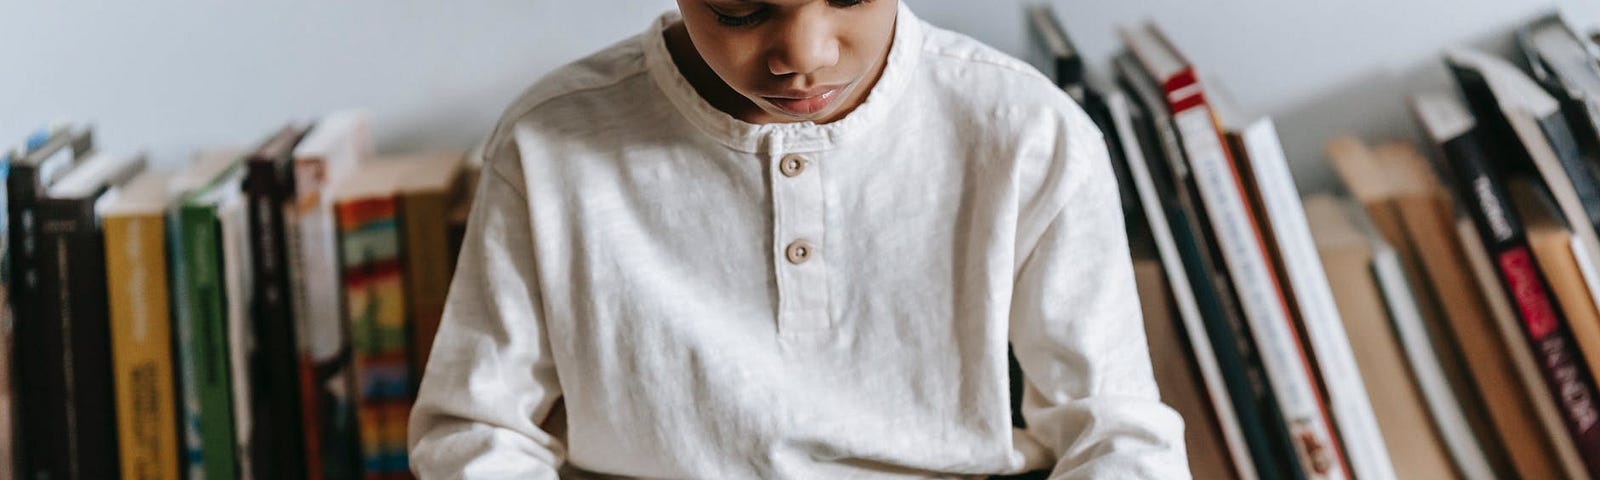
[(1287, 366), (1503, 237)]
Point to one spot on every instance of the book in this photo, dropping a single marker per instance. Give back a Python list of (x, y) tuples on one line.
[(1437, 350), (330, 152), (276, 448), (233, 227), (1287, 366), (1183, 295), (72, 308), (49, 443), (1565, 65), (141, 326), (201, 307), (375, 303), (1384, 185), (1513, 442), (1264, 168), (1176, 373), (8, 459), (1553, 246), (1558, 446), (1526, 127), (1353, 256), (1543, 329), (426, 196), (8, 444), (1253, 401)]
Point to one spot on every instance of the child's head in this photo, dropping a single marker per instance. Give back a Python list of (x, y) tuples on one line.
[(794, 59)]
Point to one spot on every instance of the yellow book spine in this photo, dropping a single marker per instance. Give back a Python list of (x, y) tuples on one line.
[(141, 346)]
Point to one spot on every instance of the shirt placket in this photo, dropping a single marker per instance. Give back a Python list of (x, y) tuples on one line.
[(799, 254)]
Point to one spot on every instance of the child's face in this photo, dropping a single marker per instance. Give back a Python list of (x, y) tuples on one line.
[(794, 59)]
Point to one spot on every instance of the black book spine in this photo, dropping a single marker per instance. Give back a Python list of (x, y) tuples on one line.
[(73, 327), (276, 436), (1271, 447), (43, 441), (1544, 328)]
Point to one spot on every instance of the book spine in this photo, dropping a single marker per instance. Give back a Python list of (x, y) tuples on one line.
[(1579, 196), (1265, 431), (1287, 367), (310, 411), (427, 267), (374, 284), (203, 346), (1157, 208), (39, 394), (72, 259), (1544, 328), (142, 352), (1319, 315), (233, 224), (1471, 327), (40, 391), (325, 344), (276, 439), (8, 443)]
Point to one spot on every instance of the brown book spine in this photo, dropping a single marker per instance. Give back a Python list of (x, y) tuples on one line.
[(1515, 424), (426, 246)]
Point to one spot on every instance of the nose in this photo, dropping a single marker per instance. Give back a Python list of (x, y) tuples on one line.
[(804, 46)]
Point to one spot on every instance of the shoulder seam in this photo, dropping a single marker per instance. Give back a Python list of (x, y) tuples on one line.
[(511, 118), (587, 88), (1011, 65)]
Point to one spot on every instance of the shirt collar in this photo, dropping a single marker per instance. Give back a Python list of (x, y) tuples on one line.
[(904, 53)]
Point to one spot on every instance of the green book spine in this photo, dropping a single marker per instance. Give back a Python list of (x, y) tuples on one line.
[(203, 346)]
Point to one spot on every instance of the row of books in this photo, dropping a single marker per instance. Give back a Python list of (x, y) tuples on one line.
[(1438, 318), (260, 313)]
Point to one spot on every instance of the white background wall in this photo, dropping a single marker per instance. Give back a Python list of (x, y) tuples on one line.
[(174, 75)]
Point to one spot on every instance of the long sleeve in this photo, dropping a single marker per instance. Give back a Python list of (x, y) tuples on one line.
[(1077, 330), (490, 379)]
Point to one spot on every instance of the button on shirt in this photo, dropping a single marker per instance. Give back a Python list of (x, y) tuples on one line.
[(715, 299)]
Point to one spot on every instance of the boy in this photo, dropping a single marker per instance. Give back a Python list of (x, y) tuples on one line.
[(792, 239)]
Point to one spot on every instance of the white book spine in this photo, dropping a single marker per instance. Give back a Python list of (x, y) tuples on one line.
[(1448, 418), (319, 310), (1182, 291), (233, 218), (1330, 344), (1287, 368)]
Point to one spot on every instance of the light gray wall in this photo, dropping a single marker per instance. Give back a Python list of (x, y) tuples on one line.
[(175, 75)]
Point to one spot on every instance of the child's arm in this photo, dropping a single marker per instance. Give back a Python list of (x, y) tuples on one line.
[(490, 379), (1077, 331)]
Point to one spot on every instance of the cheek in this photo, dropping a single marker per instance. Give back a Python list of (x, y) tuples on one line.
[(736, 57), (869, 36)]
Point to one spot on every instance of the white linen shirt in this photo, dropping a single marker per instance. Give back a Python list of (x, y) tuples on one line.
[(633, 251)]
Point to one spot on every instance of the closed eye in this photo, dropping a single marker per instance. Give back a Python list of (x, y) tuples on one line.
[(760, 13)]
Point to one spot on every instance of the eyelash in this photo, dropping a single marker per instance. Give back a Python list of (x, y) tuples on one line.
[(761, 13)]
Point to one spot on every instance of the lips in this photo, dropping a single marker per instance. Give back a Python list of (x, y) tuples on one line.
[(805, 104)]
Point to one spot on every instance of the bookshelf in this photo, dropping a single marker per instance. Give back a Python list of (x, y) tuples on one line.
[(178, 75), (175, 78)]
